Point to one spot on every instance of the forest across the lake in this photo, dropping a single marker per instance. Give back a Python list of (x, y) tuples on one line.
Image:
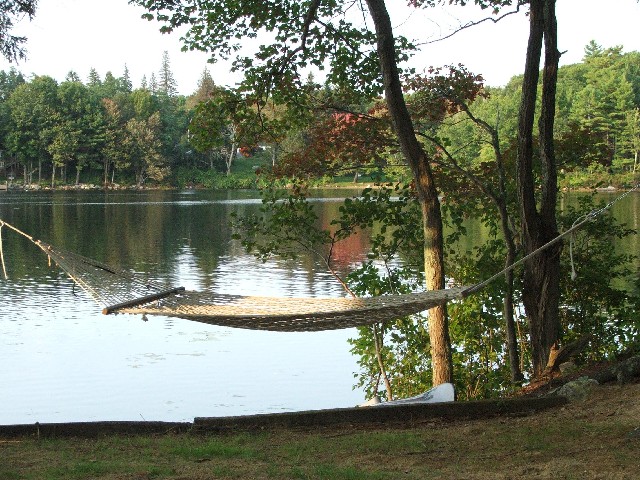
[(102, 131)]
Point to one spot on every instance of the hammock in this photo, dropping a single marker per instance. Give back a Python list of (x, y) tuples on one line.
[(120, 291)]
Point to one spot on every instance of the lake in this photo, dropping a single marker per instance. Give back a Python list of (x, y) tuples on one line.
[(62, 360)]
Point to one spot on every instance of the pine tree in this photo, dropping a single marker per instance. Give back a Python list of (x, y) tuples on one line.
[(153, 84), (167, 83), (94, 78), (206, 89), (72, 77), (125, 80), (11, 46), (110, 85)]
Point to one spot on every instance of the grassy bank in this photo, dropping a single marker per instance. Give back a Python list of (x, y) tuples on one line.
[(596, 438)]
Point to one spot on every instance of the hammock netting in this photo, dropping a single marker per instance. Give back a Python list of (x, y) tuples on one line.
[(121, 291)]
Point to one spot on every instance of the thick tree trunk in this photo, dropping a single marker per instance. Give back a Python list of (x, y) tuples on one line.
[(541, 274), (425, 186)]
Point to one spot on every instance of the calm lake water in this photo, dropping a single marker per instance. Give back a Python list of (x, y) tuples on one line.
[(62, 360)]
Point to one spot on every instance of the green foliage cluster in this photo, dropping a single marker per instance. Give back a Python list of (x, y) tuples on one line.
[(597, 132), (11, 11), (61, 133), (390, 218), (71, 132)]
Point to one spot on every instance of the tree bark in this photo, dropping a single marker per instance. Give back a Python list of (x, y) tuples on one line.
[(541, 291), (427, 193)]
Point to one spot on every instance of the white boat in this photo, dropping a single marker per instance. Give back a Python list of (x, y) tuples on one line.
[(440, 393)]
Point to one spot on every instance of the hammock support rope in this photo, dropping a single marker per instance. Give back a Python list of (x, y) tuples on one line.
[(122, 291)]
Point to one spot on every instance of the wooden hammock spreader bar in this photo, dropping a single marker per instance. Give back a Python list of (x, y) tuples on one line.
[(121, 291), (142, 300), (293, 314)]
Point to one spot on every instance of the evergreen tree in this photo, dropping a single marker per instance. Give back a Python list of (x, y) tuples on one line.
[(9, 82), (601, 107), (153, 84), (591, 50), (72, 77), (94, 78), (166, 82), (110, 86), (206, 90), (125, 81)]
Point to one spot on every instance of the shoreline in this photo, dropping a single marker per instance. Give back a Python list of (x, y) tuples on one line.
[(330, 186), (388, 416)]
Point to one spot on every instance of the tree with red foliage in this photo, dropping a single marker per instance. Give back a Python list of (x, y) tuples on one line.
[(340, 142)]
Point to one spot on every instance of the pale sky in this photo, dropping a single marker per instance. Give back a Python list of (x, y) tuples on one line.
[(107, 34)]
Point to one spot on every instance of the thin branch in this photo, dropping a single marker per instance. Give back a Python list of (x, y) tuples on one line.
[(471, 24)]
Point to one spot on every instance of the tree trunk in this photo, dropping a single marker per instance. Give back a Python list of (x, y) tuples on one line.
[(106, 172), (508, 312), (442, 363), (541, 290), (230, 158), (383, 371), (500, 200)]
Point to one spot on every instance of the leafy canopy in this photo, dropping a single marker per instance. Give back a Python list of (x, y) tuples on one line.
[(291, 37), (11, 46)]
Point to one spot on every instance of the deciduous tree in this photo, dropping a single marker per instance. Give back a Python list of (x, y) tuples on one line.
[(541, 291), (319, 34)]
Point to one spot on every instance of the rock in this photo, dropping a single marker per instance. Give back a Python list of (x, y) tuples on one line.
[(622, 372), (567, 368), (575, 390), (626, 371)]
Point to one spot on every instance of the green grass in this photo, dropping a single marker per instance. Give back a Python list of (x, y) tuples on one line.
[(582, 440)]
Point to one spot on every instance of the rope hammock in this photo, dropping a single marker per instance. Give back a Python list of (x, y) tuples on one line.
[(120, 291)]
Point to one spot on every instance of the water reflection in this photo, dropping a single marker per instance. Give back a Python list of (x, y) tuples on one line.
[(61, 360)]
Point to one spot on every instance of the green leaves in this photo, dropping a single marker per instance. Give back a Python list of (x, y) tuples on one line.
[(11, 47), (292, 35)]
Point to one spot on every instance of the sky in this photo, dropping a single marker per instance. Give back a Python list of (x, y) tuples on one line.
[(107, 34)]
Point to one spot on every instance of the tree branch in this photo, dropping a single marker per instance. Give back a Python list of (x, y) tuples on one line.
[(471, 24)]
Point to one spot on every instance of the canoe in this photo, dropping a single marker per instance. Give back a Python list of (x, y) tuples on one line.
[(440, 393)]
